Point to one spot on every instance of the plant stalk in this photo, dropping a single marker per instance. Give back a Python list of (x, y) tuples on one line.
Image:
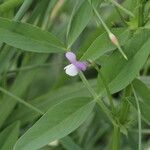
[(140, 13), (116, 139), (97, 99), (139, 119), (106, 86), (109, 32)]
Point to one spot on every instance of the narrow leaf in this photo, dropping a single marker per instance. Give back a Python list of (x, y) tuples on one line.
[(28, 37), (58, 122), (142, 91), (79, 20), (9, 136)]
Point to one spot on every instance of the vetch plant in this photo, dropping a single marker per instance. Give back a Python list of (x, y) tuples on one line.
[(74, 75)]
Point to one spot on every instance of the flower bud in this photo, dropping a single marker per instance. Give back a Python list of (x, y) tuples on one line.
[(113, 39)]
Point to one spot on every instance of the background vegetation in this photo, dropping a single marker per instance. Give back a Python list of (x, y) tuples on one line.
[(39, 103)]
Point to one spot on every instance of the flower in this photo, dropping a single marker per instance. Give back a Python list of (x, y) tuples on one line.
[(75, 66)]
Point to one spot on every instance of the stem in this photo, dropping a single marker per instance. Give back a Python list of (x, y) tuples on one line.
[(124, 111), (146, 68), (122, 8), (139, 119), (101, 20), (86, 83), (107, 91), (96, 98), (21, 101), (122, 52), (23, 9), (108, 31), (116, 139), (140, 13), (106, 86)]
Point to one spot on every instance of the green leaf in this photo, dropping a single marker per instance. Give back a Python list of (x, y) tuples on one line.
[(79, 21), (144, 108), (9, 136), (142, 91), (5, 56), (29, 38), (48, 100), (119, 72), (9, 4), (102, 44), (145, 112), (58, 122), (146, 80), (23, 79)]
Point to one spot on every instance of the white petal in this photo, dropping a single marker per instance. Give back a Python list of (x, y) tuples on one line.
[(71, 70), (54, 143)]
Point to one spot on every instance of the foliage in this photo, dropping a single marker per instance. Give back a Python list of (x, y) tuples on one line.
[(105, 107)]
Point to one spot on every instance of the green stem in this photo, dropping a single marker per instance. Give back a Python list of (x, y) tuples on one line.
[(139, 118), (86, 83), (107, 91), (97, 98), (140, 13), (105, 85), (101, 20), (124, 111), (108, 31), (116, 139), (122, 8), (21, 101), (122, 52), (146, 68), (23, 9)]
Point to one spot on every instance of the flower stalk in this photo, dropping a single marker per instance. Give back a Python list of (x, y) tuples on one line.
[(97, 99), (105, 85), (139, 119), (112, 37)]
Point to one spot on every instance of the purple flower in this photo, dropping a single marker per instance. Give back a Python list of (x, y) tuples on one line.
[(75, 66)]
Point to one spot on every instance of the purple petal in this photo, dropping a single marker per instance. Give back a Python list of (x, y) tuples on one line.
[(71, 57), (81, 65)]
